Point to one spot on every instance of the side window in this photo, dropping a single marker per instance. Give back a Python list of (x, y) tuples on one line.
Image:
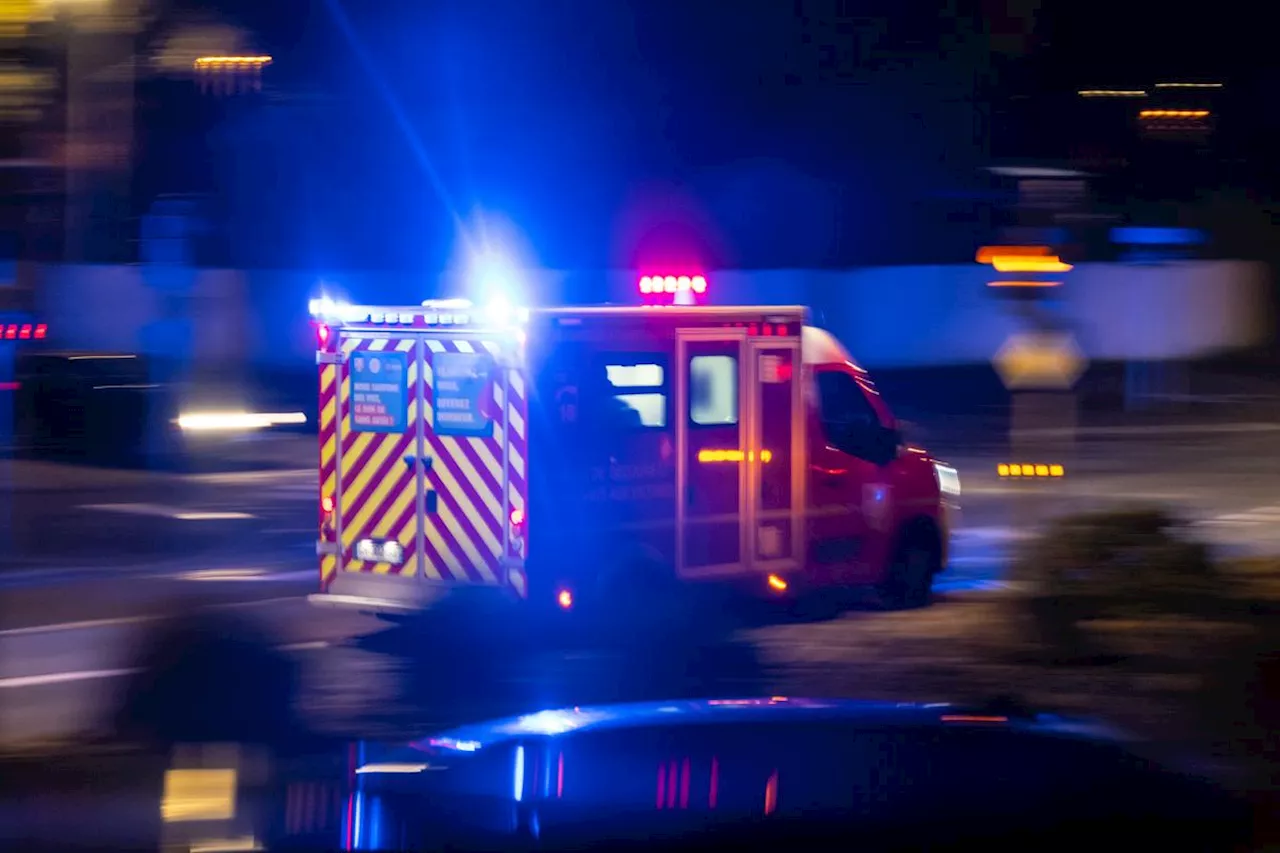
[(845, 411), (713, 390), (637, 388)]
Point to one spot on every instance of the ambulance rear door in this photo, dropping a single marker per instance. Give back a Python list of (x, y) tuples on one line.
[(370, 426), (426, 456), (473, 458)]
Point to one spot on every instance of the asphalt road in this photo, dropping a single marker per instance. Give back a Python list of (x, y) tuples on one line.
[(98, 556)]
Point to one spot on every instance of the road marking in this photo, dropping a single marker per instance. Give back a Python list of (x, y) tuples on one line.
[(99, 674), (311, 646), (221, 575), (246, 575), (85, 625), (63, 677), (237, 477), (89, 624), (1094, 489), (1263, 515), (166, 512)]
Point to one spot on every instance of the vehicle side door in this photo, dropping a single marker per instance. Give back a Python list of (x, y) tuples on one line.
[(849, 494)]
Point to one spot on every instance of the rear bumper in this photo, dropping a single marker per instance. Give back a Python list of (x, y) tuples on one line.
[(362, 603), (391, 595)]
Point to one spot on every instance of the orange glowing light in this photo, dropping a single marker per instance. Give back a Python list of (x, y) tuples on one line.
[(709, 455), (1051, 263), (565, 599), (989, 253), (1027, 469), (1148, 114), (776, 583), (1023, 283), (205, 62)]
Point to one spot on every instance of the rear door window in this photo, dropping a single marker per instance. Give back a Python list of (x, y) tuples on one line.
[(713, 390)]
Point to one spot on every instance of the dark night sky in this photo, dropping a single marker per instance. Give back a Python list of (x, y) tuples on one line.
[(562, 113), (1144, 40)]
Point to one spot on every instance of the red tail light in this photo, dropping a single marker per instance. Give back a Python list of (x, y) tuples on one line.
[(516, 533), (322, 334)]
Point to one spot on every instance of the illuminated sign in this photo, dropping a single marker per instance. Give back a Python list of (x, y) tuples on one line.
[(1040, 360)]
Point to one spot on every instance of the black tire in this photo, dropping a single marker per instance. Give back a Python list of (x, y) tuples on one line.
[(908, 584)]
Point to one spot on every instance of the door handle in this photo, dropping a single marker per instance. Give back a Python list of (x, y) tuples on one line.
[(412, 460)]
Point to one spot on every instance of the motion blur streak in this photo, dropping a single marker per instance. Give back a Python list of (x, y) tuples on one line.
[(397, 112), (223, 421)]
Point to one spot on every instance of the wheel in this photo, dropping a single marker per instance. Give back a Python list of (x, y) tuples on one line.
[(909, 581)]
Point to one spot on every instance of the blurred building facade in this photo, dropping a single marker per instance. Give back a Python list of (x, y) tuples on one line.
[(816, 133)]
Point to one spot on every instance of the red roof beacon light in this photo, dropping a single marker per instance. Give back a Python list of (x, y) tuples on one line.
[(23, 331), (681, 287)]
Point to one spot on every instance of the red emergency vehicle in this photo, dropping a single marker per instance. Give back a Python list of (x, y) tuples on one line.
[(565, 454)]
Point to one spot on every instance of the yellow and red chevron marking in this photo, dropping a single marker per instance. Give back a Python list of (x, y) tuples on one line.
[(517, 441), (378, 495), (466, 535), (328, 454)]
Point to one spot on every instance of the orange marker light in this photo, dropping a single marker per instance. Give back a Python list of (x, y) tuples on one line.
[(1050, 263), (565, 599), (989, 253), (776, 583), (1146, 114)]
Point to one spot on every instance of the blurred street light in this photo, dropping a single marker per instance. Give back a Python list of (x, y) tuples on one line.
[(228, 74), (231, 62), (1174, 114)]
